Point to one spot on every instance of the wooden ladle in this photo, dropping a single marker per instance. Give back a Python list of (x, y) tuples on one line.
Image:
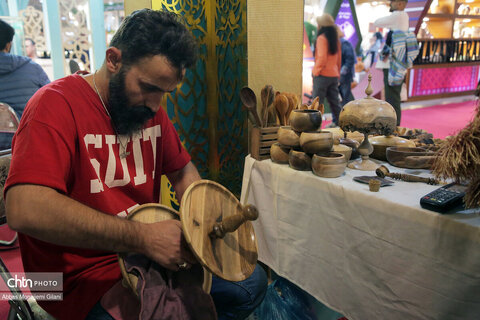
[(249, 100), (281, 105)]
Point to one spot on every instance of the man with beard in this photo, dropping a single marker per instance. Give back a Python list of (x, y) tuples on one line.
[(89, 150)]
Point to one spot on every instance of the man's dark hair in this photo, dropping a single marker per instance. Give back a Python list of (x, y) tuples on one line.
[(148, 32), (332, 38), (6, 34)]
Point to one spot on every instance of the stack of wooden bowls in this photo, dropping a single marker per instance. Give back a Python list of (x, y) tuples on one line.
[(305, 147)]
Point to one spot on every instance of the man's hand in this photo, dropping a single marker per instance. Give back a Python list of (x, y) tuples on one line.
[(165, 244)]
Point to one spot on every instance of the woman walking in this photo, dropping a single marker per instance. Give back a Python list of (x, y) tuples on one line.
[(326, 71)]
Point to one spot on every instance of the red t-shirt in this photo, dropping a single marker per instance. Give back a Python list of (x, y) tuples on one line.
[(66, 141)]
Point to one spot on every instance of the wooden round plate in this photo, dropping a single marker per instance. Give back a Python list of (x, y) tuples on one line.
[(150, 213), (232, 257)]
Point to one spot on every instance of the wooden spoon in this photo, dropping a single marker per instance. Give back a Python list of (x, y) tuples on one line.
[(291, 106), (321, 108), (272, 115), (249, 99), (281, 105), (315, 103), (268, 94), (263, 109)]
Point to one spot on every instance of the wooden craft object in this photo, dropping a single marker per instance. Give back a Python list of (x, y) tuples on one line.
[(281, 104), (272, 116), (364, 163), (291, 107), (269, 100), (315, 104), (249, 100), (367, 116), (208, 210), (419, 162), (383, 172), (261, 141), (150, 213), (264, 110)]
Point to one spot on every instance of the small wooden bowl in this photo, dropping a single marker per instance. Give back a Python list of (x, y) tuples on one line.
[(288, 137), (279, 153), (305, 120), (343, 149), (336, 132), (316, 141), (299, 160), (396, 155), (381, 143), (331, 165)]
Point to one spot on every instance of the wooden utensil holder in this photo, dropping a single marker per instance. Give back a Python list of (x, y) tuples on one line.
[(261, 140)]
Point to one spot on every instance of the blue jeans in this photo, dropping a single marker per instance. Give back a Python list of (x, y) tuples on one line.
[(233, 300), (236, 300), (345, 89)]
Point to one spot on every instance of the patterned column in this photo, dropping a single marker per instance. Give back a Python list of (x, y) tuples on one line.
[(206, 108)]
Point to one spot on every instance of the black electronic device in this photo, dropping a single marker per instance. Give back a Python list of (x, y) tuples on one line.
[(444, 198)]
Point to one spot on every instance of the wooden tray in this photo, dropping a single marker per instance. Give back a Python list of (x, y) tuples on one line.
[(233, 257), (261, 140), (150, 213)]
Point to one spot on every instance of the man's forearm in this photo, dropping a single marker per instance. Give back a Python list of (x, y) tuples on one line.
[(45, 214), (183, 178)]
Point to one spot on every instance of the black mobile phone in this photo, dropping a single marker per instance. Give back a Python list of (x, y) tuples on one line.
[(444, 198)]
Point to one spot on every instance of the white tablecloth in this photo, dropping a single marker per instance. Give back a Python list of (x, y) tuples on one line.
[(368, 255)]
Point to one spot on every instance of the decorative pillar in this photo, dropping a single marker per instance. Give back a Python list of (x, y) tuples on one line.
[(52, 13), (97, 27)]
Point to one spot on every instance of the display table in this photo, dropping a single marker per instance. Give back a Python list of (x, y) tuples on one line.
[(367, 255)]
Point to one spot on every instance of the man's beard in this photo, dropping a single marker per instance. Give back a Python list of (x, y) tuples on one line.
[(126, 119)]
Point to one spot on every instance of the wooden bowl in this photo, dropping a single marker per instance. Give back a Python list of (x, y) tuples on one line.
[(381, 143), (279, 153), (316, 141), (396, 156), (305, 120), (331, 165), (343, 149), (336, 132), (299, 160), (288, 137)]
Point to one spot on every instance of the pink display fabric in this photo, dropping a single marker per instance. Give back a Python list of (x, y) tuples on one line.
[(431, 81)]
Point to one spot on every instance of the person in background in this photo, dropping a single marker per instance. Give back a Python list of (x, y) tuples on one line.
[(347, 70), (31, 52), (377, 40), (397, 21), (69, 204), (326, 70), (20, 77), (30, 49)]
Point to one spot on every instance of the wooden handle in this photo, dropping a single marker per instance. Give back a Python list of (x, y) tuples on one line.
[(383, 172), (255, 115), (232, 223)]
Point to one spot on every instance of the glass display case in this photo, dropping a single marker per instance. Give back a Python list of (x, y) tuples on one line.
[(449, 41), (451, 19)]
